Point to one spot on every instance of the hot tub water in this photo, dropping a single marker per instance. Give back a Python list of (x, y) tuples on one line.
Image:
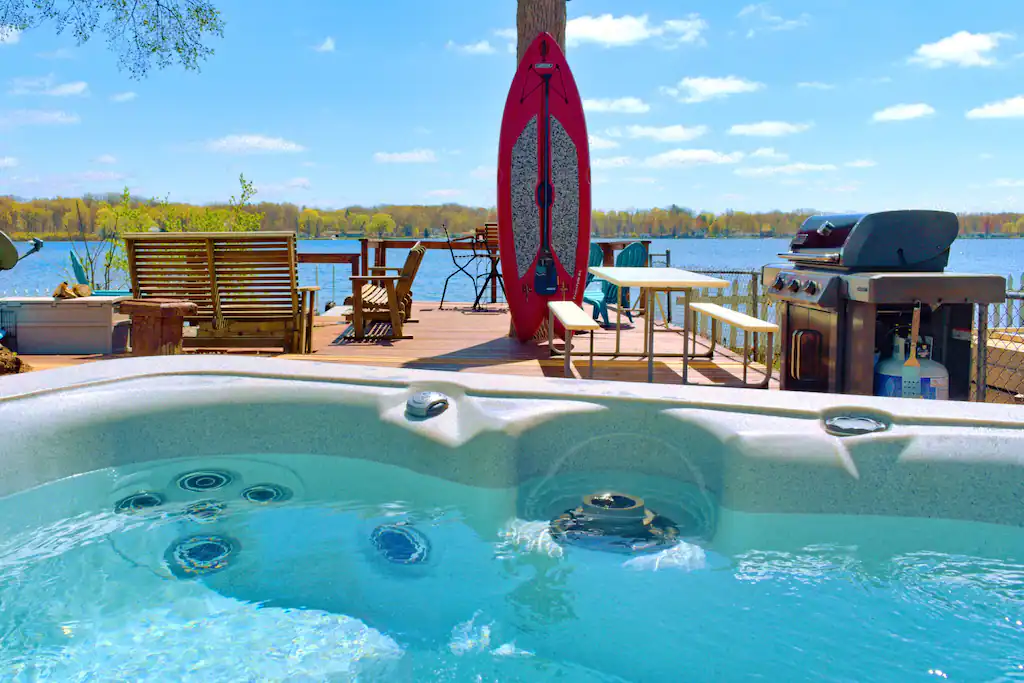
[(310, 589)]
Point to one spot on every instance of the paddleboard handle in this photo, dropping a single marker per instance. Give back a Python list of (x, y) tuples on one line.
[(545, 276)]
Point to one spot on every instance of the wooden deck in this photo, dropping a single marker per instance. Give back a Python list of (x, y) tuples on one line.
[(458, 339)]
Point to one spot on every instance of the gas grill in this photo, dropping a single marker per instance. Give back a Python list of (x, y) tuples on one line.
[(853, 281)]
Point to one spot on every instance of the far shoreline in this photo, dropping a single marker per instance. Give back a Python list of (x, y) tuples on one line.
[(971, 236)]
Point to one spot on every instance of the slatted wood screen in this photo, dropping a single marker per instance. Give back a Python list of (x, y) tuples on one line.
[(230, 276)]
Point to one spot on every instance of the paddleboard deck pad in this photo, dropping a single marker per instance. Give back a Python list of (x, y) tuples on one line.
[(543, 188)]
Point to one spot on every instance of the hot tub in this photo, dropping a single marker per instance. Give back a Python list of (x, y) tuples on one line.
[(189, 518)]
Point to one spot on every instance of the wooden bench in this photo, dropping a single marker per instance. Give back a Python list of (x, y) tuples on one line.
[(245, 286), (747, 323), (573, 319)]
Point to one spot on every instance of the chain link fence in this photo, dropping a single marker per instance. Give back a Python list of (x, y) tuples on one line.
[(1004, 350)]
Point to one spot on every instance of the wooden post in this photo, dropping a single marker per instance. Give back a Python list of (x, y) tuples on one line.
[(157, 325), (538, 16)]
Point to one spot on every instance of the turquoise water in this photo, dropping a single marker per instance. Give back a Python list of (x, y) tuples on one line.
[(43, 271), (90, 594)]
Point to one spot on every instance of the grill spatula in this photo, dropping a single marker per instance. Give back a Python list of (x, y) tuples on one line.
[(912, 368)]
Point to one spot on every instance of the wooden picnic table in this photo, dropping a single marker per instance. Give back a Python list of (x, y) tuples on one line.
[(650, 281)]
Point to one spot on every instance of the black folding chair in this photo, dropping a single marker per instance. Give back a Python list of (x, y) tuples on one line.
[(462, 262), (491, 255)]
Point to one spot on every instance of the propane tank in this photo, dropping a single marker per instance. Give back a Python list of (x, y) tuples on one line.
[(889, 372)]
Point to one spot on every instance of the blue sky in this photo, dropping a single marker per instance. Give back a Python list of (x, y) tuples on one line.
[(830, 104)]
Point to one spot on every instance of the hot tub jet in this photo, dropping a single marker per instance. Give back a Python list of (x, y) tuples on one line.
[(615, 522), (400, 544), (199, 555), (261, 494), (137, 502), (204, 481)]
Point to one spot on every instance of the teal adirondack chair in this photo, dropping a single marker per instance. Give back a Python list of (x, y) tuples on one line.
[(83, 279), (596, 259), (600, 293)]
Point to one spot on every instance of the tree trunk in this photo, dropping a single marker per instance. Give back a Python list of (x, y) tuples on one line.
[(537, 16)]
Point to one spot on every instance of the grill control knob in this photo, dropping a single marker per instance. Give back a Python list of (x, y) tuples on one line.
[(794, 286), (811, 288), (779, 283)]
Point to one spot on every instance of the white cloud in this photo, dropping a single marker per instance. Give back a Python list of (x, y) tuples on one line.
[(622, 105), (293, 184), (815, 85), (123, 97), (508, 34), (986, 155), (611, 162), (702, 88), (9, 35), (786, 169), (674, 133), (769, 153), (860, 163), (326, 46), (611, 31), (960, 49), (46, 85), (310, 164), (1008, 182), (847, 187), (602, 143), (105, 159), (416, 156), (688, 30), (8, 162), (643, 180), (99, 176), (444, 193), (241, 144), (37, 117), (482, 47), (903, 112), (1012, 108), (59, 53), (484, 173), (767, 21), (691, 157), (769, 129)]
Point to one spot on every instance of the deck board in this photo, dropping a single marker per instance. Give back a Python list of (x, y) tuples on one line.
[(458, 339)]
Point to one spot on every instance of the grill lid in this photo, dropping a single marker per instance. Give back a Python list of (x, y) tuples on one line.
[(908, 240)]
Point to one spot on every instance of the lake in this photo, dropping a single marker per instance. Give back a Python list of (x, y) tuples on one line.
[(42, 272)]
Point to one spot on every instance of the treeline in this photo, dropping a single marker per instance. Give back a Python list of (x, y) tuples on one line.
[(92, 216)]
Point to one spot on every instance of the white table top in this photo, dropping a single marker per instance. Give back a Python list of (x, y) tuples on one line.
[(667, 278)]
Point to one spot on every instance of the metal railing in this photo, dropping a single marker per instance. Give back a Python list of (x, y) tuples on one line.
[(745, 295)]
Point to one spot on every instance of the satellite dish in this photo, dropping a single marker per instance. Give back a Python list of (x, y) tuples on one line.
[(8, 252)]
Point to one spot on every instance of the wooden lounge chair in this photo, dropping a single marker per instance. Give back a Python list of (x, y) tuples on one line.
[(245, 284), (382, 297)]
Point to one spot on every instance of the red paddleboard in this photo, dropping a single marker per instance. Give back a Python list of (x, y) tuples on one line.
[(543, 188)]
